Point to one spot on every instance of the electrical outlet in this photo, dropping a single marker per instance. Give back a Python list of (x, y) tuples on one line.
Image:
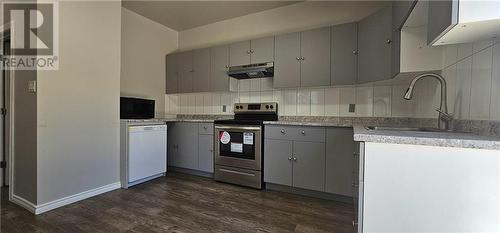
[(352, 107)]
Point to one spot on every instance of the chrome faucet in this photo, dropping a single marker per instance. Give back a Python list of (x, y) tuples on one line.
[(444, 118)]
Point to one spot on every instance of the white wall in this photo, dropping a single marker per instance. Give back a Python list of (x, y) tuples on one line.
[(144, 46), (472, 73), (78, 105), (295, 17)]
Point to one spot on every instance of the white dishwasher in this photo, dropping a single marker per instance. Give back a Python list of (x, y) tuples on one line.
[(147, 153)]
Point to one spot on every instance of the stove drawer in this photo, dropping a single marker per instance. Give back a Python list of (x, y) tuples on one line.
[(296, 133), (239, 176)]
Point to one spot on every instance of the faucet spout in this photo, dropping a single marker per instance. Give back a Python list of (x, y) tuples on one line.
[(444, 118)]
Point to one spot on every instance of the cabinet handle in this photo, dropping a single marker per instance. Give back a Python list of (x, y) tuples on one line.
[(302, 58), (248, 51), (294, 159), (354, 223), (388, 41), (251, 51), (226, 66), (355, 52), (289, 158), (204, 127), (303, 132), (282, 131), (298, 58)]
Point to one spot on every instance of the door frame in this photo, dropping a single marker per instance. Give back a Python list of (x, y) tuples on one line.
[(9, 117)]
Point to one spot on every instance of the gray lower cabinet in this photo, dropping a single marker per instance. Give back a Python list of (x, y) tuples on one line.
[(278, 161), (182, 137), (375, 46), (344, 52), (219, 79), (206, 153), (339, 158), (185, 71), (190, 146), (313, 158), (201, 70), (171, 71), (309, 165)]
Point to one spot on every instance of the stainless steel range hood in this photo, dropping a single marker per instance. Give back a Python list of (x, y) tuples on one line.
[(258, 70)]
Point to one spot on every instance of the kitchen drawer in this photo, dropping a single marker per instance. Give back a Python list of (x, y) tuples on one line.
[(296, 133), (206, 128)]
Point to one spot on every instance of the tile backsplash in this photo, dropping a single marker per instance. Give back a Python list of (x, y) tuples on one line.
[(472, 72)]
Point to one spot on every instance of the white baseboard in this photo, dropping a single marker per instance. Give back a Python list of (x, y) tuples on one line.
[(74, 198), (23, 203)]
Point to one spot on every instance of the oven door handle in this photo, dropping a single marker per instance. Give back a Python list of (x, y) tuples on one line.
[(238, 127)]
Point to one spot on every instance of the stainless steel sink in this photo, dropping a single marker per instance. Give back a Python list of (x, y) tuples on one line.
[(417, 129)]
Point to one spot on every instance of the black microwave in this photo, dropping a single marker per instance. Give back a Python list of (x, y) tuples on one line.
[(136, 108)]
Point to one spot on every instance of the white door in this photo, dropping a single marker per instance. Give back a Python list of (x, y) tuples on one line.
[(147, 151)]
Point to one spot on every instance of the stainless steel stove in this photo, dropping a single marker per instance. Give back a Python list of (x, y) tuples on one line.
[(239, 144)]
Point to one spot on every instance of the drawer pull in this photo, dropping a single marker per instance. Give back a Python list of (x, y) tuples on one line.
[(282, 131), (289, 158), (294, 159), (303, 132)]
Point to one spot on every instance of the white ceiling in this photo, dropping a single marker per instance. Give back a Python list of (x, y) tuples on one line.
[(183, 15)]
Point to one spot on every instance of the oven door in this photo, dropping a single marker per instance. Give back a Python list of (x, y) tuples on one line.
[(238, 146)]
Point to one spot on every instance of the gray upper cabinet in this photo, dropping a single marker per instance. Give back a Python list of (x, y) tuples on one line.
[(375, 46), (219, 79), (287, 61), (309, 165), (344, 52), (315, 57), (185, 71), (278, 163), (201, 68), (239, 53), (444, 16), (302, 59), (339, 161), (262, 50), (172, 79)]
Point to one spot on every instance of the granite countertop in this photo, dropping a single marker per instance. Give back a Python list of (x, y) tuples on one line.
[(444, 139)]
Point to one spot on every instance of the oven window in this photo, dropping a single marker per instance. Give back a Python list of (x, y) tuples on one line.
[(237, 144)]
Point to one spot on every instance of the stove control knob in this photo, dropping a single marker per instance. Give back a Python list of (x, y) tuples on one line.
[(237, 107), (267, 106), (271, 106)]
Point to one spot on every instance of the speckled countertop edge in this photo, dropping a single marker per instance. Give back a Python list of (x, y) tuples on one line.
[(461, 140)]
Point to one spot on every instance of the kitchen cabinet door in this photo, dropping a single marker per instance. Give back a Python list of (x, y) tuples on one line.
[(219, 80), (172, 145), (287, 61), (315, 63), (277, 161), (309, 166), (262, 50), (239, 53), (344, 51), (375, 46), (185, 66), (172, 79), (206, 153), (201, 68), (339, 161), (187, 136)]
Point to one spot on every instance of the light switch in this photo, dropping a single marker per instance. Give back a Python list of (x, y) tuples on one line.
[(352, 107), (32, 86)]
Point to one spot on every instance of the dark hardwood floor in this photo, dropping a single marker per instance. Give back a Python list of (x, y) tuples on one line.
[(184, 203)]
